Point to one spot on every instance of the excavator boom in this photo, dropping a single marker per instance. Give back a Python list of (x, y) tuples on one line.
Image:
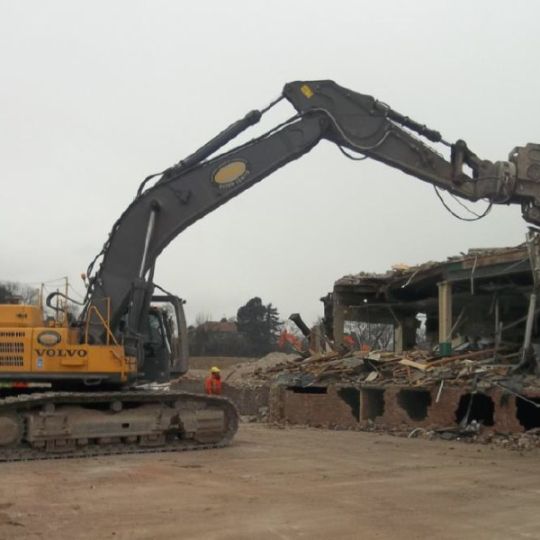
[(197, 185)]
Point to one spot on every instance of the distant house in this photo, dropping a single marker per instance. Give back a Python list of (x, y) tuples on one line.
[(219, 327), (217, 338)]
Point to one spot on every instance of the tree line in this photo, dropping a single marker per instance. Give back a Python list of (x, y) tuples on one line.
[(10, 291), (253, 332)]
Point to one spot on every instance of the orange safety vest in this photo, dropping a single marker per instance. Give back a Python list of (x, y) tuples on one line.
[(212, 385)]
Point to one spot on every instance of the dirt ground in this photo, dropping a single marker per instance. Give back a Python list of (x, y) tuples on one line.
[(280, 484)]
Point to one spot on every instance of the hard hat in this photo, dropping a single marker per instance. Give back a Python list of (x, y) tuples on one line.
[(214, 370)]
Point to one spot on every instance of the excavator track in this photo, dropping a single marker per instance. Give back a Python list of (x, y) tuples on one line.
[(59, 425)]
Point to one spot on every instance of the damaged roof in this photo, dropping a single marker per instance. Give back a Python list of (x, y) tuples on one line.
[(506, 259)]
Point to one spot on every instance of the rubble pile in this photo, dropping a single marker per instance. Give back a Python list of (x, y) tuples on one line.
[(422, 368), (475, 395), (416, 368), (259, 371)]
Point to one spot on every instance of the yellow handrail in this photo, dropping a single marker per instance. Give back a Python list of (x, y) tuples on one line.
[(105, 323)]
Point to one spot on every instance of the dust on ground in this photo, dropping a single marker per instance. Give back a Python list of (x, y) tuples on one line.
[(282, 484)]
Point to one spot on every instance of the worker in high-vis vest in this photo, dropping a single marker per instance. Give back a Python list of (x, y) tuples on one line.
[(212, 383)]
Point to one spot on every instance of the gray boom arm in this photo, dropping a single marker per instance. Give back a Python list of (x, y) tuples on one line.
[(198, 185), (179, 199)]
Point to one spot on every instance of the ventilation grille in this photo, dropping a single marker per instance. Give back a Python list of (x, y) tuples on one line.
[(11, 361), (15, 347), (12, 334), (11, 353)]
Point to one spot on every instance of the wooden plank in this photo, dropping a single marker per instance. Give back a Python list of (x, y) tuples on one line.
[(465, 356), (412, 363)]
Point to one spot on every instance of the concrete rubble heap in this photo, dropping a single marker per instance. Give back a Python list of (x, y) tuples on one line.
[(481, 369), (474, 395)]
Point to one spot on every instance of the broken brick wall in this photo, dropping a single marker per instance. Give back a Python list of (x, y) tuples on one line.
[(315, 406), (402, 407)]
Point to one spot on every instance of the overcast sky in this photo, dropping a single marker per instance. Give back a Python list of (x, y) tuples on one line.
[(96, 95)]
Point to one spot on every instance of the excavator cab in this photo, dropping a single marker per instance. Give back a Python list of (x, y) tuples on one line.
[(165, 346)]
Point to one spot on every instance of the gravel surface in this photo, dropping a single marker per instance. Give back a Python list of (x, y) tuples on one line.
[(293, 483)]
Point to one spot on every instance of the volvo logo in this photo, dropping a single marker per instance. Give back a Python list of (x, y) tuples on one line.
[(63, 353)]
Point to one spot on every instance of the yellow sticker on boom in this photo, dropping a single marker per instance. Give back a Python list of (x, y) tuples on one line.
[(307, 91), (230, 173)]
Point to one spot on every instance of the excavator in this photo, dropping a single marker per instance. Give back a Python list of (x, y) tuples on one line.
[(131, 333)]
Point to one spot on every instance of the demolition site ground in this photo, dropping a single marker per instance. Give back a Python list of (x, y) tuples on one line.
[(280, 483)]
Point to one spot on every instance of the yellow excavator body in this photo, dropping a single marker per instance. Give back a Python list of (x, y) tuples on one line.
[(38, 354), (32, 350)]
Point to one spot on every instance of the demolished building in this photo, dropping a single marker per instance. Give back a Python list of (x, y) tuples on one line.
[(481, 295), (473, 374), (472, 371)]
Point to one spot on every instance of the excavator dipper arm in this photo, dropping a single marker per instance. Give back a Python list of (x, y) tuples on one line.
[(197, 185), (366, 125)]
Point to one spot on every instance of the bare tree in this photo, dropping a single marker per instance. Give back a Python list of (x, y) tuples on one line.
[(202, 318), (374, 335), (13, 290)]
